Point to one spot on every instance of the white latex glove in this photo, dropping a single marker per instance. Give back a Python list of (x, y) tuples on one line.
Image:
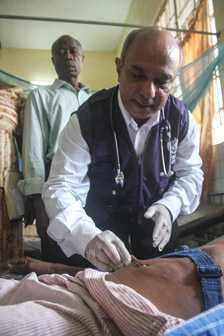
[(163, 225), (107, 252)]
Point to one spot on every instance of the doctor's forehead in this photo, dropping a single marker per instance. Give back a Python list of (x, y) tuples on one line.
[(152, 44)]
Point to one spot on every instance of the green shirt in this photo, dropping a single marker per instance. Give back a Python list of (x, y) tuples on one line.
[(47, 111)]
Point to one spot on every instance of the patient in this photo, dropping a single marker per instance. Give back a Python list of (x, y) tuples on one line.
[(146, 297)]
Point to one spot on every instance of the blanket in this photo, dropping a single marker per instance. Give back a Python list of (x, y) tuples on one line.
[(12, 100), (83, 305)]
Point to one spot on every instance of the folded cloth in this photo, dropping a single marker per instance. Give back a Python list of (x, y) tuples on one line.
[(54, 305), (84, 305), (11, 106), (131, 312)]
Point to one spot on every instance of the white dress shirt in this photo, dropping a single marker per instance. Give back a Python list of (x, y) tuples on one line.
[(65, 192)]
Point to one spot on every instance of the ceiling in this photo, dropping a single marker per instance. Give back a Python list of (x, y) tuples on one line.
[(40, 34)]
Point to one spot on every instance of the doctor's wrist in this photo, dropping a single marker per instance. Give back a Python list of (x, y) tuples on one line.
[(169, 211)]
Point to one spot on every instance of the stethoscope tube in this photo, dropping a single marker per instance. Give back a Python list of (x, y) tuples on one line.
[(119, 178), (165, 139), (165, 132)]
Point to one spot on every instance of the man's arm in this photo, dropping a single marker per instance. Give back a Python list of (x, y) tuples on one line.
[(65, 192), (34, 147), (35, 142), (65, 196), (183, 196)]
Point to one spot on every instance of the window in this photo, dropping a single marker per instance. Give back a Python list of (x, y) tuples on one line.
[(218, 120), (179, 14)]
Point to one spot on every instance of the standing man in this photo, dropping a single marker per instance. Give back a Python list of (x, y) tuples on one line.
[(47, 111), (128, 161)]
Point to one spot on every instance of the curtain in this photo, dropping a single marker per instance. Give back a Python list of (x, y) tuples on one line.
[(193, 47)]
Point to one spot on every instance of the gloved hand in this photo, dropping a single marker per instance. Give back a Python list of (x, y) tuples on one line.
[(107, 252), (163, 225)]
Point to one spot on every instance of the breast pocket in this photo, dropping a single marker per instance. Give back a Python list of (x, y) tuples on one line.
[(102, 169)]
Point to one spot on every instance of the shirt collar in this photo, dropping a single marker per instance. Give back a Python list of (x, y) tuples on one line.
[(59, 83), (130, 121)]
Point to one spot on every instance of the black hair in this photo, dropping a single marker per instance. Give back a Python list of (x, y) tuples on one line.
[(58, 41)]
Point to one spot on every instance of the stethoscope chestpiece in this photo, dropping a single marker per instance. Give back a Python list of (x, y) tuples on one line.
[(119, 178), (167, 174)]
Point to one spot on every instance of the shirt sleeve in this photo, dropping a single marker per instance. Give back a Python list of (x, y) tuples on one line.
[(35, 135), (65, 192), (183, 196)]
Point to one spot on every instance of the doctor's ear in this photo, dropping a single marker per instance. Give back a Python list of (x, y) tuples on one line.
[(119, 64)]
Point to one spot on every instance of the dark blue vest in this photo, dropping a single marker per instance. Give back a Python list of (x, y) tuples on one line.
[(112, 207)]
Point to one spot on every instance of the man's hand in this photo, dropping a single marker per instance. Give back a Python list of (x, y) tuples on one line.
[(35, 211), (29, 211), (107, 252), (163, 225)]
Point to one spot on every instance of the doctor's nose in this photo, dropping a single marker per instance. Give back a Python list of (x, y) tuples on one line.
[(148, 89)]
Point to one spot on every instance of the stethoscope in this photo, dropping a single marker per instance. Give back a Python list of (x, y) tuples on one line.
[(119, 178), (165, 139)]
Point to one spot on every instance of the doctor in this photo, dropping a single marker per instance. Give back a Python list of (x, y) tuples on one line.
[(127, 163)]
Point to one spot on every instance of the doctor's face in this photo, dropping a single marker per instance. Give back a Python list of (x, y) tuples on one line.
[(146, 73)]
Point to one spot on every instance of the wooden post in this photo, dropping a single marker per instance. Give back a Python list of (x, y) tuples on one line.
[(11, 234)]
